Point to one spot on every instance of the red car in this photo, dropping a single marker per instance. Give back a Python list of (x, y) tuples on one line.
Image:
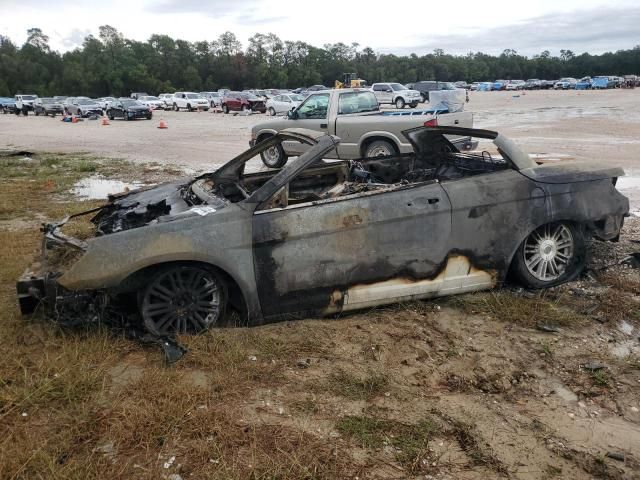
[(243, 101)]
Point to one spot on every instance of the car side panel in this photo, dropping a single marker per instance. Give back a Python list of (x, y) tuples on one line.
[(353, 252)]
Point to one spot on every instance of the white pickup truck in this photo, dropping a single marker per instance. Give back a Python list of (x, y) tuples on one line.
[(354, 115)]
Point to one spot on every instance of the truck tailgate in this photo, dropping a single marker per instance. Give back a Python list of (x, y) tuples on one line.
[(458, 119)]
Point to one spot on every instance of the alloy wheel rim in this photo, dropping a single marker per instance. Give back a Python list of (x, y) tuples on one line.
[(184, 300), (548, 252)]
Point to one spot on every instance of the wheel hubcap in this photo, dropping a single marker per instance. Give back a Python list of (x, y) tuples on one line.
[(182, 300), (379, 152), (548, 252), (271, 155)]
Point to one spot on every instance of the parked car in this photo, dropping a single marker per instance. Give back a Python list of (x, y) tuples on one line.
[(424, 87), (532, 84), (601, 82), (355, 116), (516, 85), (24, 103), (104, 102), (69, 101), (547, 84), (584, 83), (84, 107), (567, 83), (322, 238), (283, 103), (167, 99), (7, 105), (500, 84), (317, 88), (190, 101), (152, 102), (462, 84), (396, 94), (47, 106), (474, 86), (243, 102), (129, 109), (214, 98), (137, 95)]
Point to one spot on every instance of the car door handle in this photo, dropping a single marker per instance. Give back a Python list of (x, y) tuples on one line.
[(433, 201), (456, 122), (323, 125)]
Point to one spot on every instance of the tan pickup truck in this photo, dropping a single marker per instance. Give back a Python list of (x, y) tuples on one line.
[(354, 115)]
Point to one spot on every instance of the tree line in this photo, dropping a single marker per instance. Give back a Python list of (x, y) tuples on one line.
[(111, 64)]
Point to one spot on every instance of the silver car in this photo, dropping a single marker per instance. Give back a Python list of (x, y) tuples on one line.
[(283, 103)]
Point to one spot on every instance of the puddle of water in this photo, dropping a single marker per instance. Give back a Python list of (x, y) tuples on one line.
[(97, 188)]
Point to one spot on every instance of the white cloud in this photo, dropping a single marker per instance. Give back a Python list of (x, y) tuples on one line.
[(458, 27)]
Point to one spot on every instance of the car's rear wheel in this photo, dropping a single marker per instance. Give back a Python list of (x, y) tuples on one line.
[(274, 157), (189, 109), (183, 299), (272, 111), (550, 255), (400, 103), (379, 148)]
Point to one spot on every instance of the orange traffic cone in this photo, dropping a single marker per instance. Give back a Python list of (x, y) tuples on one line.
[(74, 119), (105, 120), (163, 124)]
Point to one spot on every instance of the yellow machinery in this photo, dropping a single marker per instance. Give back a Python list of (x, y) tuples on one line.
[(350, 80)]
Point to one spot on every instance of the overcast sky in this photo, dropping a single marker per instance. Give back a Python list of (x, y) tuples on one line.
[(459, 26)]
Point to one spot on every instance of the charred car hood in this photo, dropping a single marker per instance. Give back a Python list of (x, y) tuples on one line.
[(142, 207)]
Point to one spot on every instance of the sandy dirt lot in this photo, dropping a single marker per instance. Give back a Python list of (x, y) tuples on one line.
[(511, 384)]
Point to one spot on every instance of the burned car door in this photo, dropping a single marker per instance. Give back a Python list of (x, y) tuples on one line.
[(353, 251)]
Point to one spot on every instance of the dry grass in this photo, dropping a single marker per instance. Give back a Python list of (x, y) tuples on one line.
[(506, 306), (355, 387)]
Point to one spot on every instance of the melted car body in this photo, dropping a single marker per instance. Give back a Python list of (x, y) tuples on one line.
[(319, 237)]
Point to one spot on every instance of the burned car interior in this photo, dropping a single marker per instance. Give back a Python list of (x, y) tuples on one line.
[(436, 159)]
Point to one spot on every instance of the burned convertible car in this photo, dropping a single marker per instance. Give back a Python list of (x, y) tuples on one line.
[(320, 237)]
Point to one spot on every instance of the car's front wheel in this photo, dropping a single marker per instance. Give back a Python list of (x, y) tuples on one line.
[(550, 255), (272, 111), (175, 107), (399, 103), (225, 109), (183, 299)]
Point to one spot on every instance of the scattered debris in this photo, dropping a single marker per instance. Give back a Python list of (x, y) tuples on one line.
[(594, 366), (616, 456), (303, 363), (169, 462), (547, 328)]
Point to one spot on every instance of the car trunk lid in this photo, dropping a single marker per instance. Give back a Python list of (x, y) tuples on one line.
[(571, 171)]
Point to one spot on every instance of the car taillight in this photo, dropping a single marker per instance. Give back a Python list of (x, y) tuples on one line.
[(431, 123)]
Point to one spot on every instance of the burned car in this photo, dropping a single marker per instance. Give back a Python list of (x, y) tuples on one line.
[(319, 237)]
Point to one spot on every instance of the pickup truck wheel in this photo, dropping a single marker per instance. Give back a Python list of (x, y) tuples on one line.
[(183, 299), (225, 109), (552, 254), (379, 148), (274, 157), (399, 103), (272, 111)]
